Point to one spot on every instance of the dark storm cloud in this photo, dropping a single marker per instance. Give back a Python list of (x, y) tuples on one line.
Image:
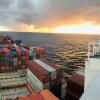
[(41, 13)]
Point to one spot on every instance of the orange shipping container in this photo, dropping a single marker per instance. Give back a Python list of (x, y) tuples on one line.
[(48, 95), (6, 51)]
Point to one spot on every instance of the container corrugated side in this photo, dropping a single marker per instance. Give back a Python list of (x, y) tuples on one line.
[(38, 85), (48, 68), (42, 74), (57, 67)]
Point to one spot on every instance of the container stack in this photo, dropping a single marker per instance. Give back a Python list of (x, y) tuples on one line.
[(13, 58), (32, 52), (45, 75), (58, 70), (55, 83), (38, 52), (1, 57), (24, 55), (41, 75), (18, 57)]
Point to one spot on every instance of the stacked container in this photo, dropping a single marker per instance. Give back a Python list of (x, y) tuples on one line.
[(2, 63), (40, 52), (6, 52), (57, 68), (13, 57), (50, 70), (37, 52), (42, 74), (55, 74), (23, 55), (32, 51)]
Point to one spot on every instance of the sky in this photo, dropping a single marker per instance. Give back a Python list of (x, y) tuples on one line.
[(55, 16)]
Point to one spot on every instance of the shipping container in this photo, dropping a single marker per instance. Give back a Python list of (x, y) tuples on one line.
[(42, 74), (48, 95), (26, 51), (48, 68), (6, 51), (22, 51), (29, 87), (38, 52), (34, 81), (34, 96), (55, 85), (57, 68), (18, 52), (31, 55)]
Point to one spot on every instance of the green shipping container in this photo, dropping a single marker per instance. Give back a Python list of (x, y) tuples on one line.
[(1, 58), (7, 59), (23, 62), (22, 53), (30, 57)]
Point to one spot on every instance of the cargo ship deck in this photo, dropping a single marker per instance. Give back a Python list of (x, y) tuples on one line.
[(13, 84), (25, 72)]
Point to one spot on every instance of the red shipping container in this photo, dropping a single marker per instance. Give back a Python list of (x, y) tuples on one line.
[(18, 52), (11, 60), (42, 74), (40, 52), (6, 51), (23, 57), (19, 62), (26, 51), (27, 57), (57, 67)]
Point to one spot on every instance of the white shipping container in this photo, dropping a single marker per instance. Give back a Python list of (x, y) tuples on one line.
[(31, 53), (33, 48), (34, 86), (34, 79), (15, 59), (48, 68)]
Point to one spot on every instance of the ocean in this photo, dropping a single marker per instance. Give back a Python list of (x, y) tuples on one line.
[(67, 50)]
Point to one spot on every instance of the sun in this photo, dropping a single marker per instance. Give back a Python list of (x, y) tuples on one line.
[(86, 28)]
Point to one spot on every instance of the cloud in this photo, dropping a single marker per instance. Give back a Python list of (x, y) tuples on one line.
[(43, 13)]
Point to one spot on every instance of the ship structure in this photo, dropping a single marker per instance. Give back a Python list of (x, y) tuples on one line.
[(92, 72), (25, 74)]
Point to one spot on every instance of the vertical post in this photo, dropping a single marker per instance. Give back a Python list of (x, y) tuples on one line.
[(99, 48), (89, 49), (93, 49)]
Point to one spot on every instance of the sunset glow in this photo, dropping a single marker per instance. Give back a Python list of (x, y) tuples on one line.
[(4, 28), (86, 28)]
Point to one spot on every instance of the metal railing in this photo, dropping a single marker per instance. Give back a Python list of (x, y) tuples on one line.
[(94, 49)]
